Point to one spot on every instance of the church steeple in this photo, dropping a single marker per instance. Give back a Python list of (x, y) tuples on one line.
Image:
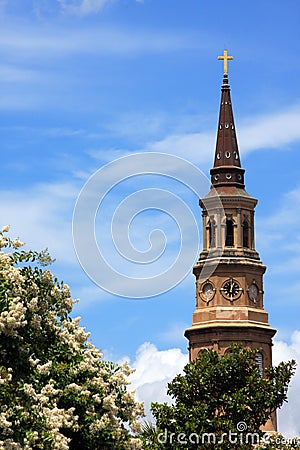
[(227, 168), (229, 272)]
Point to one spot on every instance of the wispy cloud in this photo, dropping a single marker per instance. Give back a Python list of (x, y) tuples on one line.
[(276, 130), (271, 230), (15, 74), (41, 216), (86, 7), (196, 147), (278, 240), (83, 7), (53, 42), (174, 333)]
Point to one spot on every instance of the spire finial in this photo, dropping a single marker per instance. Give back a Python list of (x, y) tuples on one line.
[(225, 58)]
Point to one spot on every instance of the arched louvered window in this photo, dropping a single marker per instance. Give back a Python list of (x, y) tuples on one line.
[(202, 350), (228, 351), (260, 361), (229, 241), (212, 233), (245, 234)]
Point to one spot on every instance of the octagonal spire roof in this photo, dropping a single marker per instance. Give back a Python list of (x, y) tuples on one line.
[(227, 164)]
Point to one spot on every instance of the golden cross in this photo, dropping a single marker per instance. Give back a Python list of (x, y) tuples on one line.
[(225, 57)]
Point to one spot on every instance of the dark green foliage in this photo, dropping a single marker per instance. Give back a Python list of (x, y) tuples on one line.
[(225, 396)]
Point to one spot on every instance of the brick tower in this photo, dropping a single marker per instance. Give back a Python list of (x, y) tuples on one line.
[(229, 302)]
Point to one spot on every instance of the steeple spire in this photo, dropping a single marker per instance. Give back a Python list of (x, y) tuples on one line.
[(227, 168)]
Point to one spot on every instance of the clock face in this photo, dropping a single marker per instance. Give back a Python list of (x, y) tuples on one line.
[(231, 289), (253, 292), (207, 291)]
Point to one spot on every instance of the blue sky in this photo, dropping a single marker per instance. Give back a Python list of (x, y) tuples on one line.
[(84, 82)]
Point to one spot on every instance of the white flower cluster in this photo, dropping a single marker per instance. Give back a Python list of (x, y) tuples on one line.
[(14, 318), (5, 241), (9, 444), (52, 378)]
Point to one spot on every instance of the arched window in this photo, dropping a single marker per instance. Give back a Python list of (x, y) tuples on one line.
[(228, 351), (229, 233), (245, 234), (212, 233), (202, 350), (259, 359)]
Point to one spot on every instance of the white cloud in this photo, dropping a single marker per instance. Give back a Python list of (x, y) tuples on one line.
[(277, 130), (41, 216), (13, 74), (154, 369), (84, 7), (196, 147), (288, 418), (107, 155), (87, 294), (272, 236), (174, 333), (270, 131), (26, 42)]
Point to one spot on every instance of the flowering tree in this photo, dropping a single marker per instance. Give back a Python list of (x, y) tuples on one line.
[(56, 390)]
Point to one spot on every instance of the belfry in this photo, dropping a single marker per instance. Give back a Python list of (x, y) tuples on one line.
[(229, 272)]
